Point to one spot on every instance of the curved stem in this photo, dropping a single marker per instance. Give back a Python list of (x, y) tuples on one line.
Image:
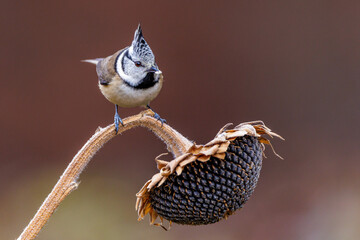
[(176, 144)]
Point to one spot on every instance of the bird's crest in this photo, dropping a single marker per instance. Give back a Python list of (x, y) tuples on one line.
[(140, 48)]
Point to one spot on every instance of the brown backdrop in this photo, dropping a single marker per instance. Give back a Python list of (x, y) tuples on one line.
[(292, 64)]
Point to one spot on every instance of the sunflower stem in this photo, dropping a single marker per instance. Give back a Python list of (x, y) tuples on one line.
[(176, 144)]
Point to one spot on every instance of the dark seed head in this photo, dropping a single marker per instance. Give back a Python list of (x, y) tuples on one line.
[(206, 192)]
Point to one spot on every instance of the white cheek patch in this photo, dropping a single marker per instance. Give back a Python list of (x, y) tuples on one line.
[(131, 80), (120, 71)]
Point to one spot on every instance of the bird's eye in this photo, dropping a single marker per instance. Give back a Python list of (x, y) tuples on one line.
[(137, 63)]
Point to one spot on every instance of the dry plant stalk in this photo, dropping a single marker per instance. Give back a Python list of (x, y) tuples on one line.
[(176, 144)]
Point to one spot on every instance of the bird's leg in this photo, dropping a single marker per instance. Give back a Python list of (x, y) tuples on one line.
[(157, 116), (117, 119)]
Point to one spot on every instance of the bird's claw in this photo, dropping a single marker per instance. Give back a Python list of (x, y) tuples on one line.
[(157, 116), (162, 120), (117, 120)]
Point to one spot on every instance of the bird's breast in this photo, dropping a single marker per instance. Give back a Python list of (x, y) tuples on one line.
[(124, 95)]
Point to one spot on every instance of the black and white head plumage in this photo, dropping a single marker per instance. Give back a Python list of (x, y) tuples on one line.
[(136, 64), (140, 48)]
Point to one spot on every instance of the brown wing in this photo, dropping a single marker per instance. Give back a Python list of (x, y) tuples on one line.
[(106, 68)]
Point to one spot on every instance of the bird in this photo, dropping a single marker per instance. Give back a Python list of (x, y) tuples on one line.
[(130, 77)]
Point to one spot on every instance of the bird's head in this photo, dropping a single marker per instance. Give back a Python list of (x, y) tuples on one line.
[(137, 61)]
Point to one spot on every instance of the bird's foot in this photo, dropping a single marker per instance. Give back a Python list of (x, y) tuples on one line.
[(117, 120), (157, 116)]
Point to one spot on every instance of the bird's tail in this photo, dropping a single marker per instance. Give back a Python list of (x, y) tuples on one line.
[(93, 61)]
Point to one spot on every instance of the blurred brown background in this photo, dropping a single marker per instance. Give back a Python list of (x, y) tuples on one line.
[(292, 64)]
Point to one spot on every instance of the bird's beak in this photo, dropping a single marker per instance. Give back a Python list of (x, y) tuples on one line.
[(93, 61), (153, 69)]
